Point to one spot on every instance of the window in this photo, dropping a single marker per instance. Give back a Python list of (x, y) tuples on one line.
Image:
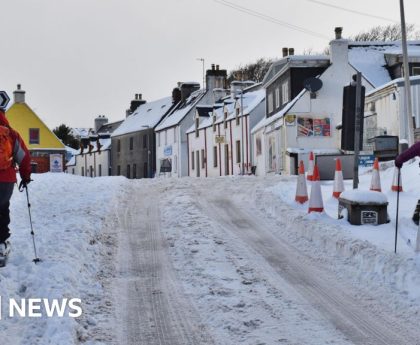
[(118, 145), (238, 151), (145, 141), (225, 119), (277, 97), (285, 92), (215, 156), (203, 160), (134, 171), (83, 171), (175, 138), (128, 171), (33, 135), (416, 70), (192, 160), (175, 166), (90, 171), (99, 170), (214, 123), (158, 138), (270, 103), (72, 171), (197, 124), (118, 170), (131, 143)]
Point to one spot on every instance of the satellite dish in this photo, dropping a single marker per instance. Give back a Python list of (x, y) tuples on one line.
[(312, 84)]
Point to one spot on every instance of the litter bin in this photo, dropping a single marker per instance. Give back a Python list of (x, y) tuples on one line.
[(363, 207)]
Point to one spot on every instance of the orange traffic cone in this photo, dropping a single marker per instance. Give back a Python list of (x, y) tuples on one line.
[(396, 185), (301, 190), (375, 183), (338, 179), (311, 167), (315, 200)]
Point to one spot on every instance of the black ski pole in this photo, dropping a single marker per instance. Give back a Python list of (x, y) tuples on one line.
[(32, 228), (398, 203)]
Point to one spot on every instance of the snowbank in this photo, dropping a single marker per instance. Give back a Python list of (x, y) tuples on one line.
[(69, 216)]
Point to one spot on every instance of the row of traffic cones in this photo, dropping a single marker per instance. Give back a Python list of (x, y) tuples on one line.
[(315, 199)]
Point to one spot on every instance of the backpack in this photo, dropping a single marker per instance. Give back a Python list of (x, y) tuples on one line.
[(6, 148)]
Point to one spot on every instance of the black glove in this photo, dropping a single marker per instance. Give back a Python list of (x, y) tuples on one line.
[(23, 184)]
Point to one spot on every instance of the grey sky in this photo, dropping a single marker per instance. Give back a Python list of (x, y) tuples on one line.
[(81, 58)]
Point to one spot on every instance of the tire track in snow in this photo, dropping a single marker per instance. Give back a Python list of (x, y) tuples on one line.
[(317, 287), (151, 307)]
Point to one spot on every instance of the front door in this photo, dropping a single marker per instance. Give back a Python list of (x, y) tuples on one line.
[(226, 159)]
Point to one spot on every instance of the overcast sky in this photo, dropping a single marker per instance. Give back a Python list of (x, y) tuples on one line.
[(77, 59)]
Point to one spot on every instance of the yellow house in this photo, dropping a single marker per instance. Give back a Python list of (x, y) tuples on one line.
[(43, 144)]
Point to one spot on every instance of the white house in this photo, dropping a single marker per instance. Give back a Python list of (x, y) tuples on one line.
[(219, 142), (308, 121), (171, 137), (93, 159)]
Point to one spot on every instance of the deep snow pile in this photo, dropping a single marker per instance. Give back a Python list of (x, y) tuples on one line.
[(367, 250), (69, 215)]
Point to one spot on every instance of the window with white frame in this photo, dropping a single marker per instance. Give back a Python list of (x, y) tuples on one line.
[(285, 92), (270, 102), (277, 97), (158, 138)]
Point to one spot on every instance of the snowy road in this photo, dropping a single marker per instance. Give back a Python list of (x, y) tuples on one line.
[(201, 262), (151, 307)]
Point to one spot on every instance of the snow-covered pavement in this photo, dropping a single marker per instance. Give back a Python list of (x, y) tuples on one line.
[(227, 261)]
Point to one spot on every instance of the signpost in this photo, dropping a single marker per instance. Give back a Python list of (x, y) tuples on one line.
[(4, 100)]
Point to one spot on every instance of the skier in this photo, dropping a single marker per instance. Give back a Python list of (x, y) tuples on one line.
[(413, 151), (12, 151)]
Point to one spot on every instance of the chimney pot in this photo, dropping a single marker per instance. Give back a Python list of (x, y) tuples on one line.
[(217, 67), (212, 66), (338, 33), (18, 86), (285, 52), (139, 96), (291, 51)]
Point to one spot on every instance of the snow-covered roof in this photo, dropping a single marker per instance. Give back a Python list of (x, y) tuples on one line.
[(146, 116), (176, 117), (369, 58), (267, 120), (81, 132), (414, 80), (250, 101), (105, 142), (278, 65)]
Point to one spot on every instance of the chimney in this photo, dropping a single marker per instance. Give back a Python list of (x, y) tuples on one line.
[(100, 121), (291, 51), (338, 33), (135, 103), (216, 78), (19, 95), (285, 52), (176, 94), (187, 89)]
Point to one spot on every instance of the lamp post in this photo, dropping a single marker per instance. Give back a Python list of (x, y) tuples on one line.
[(407, 132)]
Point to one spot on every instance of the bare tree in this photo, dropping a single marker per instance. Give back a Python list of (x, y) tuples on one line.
[(254, 71), (390, 32)]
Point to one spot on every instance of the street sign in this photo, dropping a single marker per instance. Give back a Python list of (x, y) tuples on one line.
[(4, 100)]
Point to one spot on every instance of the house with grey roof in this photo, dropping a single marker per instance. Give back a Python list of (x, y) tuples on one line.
[(133, 152)]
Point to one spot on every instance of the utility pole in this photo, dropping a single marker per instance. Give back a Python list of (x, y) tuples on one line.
[(204, 78), (357, 133), (407, 132)]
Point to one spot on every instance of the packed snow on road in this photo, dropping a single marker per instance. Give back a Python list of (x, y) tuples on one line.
[(231, 260)]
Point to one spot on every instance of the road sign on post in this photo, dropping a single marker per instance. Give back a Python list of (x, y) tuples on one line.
[(4, 100)]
